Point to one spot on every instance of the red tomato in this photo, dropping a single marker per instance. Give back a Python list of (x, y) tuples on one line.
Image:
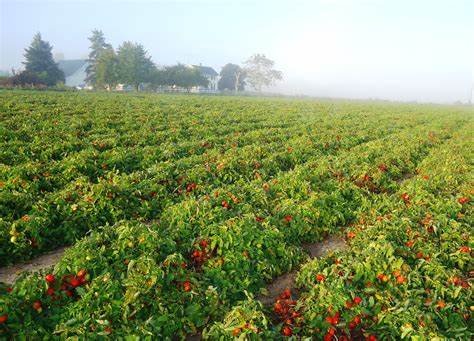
[(187, 286), (287, 331), (50, 278), (320, 277), (37, 306)]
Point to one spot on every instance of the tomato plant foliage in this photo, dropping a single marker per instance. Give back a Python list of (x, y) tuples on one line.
[(178, 211)]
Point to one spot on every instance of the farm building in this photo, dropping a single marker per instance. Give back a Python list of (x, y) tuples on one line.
[(211, 75), (75, 72)]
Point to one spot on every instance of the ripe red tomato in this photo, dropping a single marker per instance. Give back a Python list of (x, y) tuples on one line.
[(37, 306), (320, 277), (3, 318), (463, 200), (75, 282), (405, 197), (287, 331), (225, 204), (50, 278), (401, 279), (285, 294), (50, 291), (357, 300), (187, 286)]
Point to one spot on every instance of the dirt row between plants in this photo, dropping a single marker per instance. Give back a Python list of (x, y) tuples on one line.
[(9, 274)]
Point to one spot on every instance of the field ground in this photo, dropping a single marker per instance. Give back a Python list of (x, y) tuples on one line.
[(181, 211)]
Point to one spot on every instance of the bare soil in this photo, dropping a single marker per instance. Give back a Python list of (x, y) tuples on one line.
[(10, 273)]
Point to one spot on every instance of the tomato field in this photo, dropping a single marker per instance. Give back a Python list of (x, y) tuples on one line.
[(179, 210)]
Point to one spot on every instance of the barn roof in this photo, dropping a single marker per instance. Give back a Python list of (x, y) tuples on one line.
[(206, 70), (69, 67)]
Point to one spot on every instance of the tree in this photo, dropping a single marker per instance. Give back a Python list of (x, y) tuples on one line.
[(232, 77), (260, 72), (134, 66), (98, 45), (107, 70), (39, 61), (183, 76)]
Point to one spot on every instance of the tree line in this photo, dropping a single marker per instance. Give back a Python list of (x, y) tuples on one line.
[(131, 64)]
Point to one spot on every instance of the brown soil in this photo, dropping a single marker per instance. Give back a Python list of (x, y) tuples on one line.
[(10, 273), (405, 177), (195, 337)]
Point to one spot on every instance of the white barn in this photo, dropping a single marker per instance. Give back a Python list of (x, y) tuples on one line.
[(75, 72)]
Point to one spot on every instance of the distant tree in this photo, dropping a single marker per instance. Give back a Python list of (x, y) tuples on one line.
[(158, 77), (260, 72), (98, 45), (107, 70), (232, 77), (39, 61), (134, 66), (183, 76)]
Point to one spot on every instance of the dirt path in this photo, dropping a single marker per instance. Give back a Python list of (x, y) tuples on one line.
[(10, 273), (287, 280)]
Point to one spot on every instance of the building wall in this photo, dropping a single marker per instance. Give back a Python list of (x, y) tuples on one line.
[(78, 78)]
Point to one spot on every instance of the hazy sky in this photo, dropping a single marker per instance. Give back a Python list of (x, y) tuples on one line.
[(392, 49)]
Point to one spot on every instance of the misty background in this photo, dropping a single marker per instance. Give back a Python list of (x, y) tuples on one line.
[(398, 50)]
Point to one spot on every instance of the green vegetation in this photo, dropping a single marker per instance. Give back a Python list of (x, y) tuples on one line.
[(179, 210)]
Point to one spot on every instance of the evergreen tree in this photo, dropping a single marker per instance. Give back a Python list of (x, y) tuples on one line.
[(98, 45), (39, 61)]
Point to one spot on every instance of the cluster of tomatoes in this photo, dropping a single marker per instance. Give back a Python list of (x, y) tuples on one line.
[(333, 318), (200, 254), (285, 309), (68, 284), (399, 278)]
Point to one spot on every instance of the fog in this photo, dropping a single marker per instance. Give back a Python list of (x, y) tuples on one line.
[(398, 50)]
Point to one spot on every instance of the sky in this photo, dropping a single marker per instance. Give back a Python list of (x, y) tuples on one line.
[(405, 50)]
